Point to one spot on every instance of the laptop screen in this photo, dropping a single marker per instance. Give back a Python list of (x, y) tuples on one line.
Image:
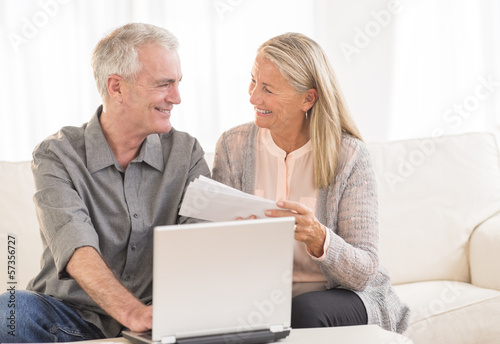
[(222, 277)]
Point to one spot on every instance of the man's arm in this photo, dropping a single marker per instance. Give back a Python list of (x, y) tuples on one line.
[(88, 268)]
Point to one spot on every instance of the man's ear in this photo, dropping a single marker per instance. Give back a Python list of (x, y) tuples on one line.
[(310, 98), (115, 85)]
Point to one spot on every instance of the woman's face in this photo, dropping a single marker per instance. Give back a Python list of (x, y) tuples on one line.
[(278, 107)]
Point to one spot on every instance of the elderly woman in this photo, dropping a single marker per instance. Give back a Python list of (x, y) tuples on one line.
[(304, 151)]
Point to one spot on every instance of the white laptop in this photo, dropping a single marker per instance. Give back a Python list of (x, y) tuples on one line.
[(221, 282)]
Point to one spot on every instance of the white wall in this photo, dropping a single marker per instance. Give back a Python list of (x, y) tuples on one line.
[(361, 52), (404, 65), (413, 68)]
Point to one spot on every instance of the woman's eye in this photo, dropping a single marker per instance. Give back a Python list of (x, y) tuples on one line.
[(267, 90)]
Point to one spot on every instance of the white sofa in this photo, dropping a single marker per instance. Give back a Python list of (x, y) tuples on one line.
[(439, 232)]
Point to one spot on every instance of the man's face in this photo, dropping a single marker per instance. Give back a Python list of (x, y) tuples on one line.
[(152, 96)]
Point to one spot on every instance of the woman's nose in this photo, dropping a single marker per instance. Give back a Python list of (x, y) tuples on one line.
[(254, 96)]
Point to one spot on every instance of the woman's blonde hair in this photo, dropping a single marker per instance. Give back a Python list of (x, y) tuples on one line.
[(305, 65)]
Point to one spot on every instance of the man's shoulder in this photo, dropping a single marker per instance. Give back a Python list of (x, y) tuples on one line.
[(69, 137), (174, 134), (176, 137), (179, 143)]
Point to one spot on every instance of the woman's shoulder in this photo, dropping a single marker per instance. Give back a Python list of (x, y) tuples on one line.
[(239, 132), (351, 145), (352, 152), (352, 142)]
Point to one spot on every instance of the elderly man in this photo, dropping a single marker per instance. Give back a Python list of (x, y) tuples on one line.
[(100, 190)]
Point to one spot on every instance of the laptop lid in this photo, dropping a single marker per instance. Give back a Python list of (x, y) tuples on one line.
[(222, 278)]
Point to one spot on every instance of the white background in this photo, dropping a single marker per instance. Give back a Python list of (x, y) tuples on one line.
[(409, 68)]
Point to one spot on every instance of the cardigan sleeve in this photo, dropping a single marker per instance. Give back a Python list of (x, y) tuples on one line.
[(351, 260), (234, 162), (221, 170)]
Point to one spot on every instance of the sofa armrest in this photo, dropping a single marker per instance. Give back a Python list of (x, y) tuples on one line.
[(485, 254)]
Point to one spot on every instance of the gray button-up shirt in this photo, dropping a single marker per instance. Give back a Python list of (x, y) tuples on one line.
[(85, 198)]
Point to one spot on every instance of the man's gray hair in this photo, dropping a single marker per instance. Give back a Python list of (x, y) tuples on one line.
[(117, 52)]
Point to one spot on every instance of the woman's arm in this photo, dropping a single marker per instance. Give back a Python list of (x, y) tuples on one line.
[(348, 255), (351, 260), (221, 171)]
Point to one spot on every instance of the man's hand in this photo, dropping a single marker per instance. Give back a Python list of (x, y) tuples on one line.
[(140, 319), (88, 268)]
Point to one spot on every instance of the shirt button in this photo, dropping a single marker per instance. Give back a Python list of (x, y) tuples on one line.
[(126, 278), (136, 216), (133, 247)]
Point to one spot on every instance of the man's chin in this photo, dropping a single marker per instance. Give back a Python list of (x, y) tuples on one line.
[(164, 131), (164, 128)]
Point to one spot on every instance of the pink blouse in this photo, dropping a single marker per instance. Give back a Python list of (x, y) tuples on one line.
[(289, 177)]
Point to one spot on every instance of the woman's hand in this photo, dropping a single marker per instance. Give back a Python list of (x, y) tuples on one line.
[(251, 217), (307, 227)]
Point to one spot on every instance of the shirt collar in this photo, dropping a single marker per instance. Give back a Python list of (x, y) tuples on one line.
[(273, 148), (100, 155), (151, 152)]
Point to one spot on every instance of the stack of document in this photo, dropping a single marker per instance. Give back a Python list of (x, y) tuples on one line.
[(209, 200)]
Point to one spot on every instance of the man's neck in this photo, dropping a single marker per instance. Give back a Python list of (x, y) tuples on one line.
[(123, 141)]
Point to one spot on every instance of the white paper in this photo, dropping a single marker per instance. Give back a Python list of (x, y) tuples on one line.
[(207, 199)]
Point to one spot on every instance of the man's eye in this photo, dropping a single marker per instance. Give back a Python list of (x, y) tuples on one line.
[(267, 90)]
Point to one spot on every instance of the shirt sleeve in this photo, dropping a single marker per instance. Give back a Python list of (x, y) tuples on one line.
[(326, 245), (63, 217), (198, 168)]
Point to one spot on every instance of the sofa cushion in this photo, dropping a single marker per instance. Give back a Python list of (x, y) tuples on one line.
[(468, 313), (432, 194), (18, 218)]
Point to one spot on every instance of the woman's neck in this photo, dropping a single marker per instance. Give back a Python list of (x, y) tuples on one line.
[(290, 142)]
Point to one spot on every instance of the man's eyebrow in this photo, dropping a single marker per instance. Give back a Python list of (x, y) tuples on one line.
[(166, 81)]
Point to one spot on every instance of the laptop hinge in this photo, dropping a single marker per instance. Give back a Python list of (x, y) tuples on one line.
[(168, 340), (277, 328)]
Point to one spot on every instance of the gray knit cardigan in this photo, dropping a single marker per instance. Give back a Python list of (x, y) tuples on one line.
[(348, 207)]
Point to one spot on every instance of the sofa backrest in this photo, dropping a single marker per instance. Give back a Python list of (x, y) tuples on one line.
[(18, 220), (432, 194)]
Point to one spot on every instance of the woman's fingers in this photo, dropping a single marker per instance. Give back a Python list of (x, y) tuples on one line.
[(307, 227)]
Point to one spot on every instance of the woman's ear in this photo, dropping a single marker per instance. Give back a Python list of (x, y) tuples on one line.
[(310, 98)]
